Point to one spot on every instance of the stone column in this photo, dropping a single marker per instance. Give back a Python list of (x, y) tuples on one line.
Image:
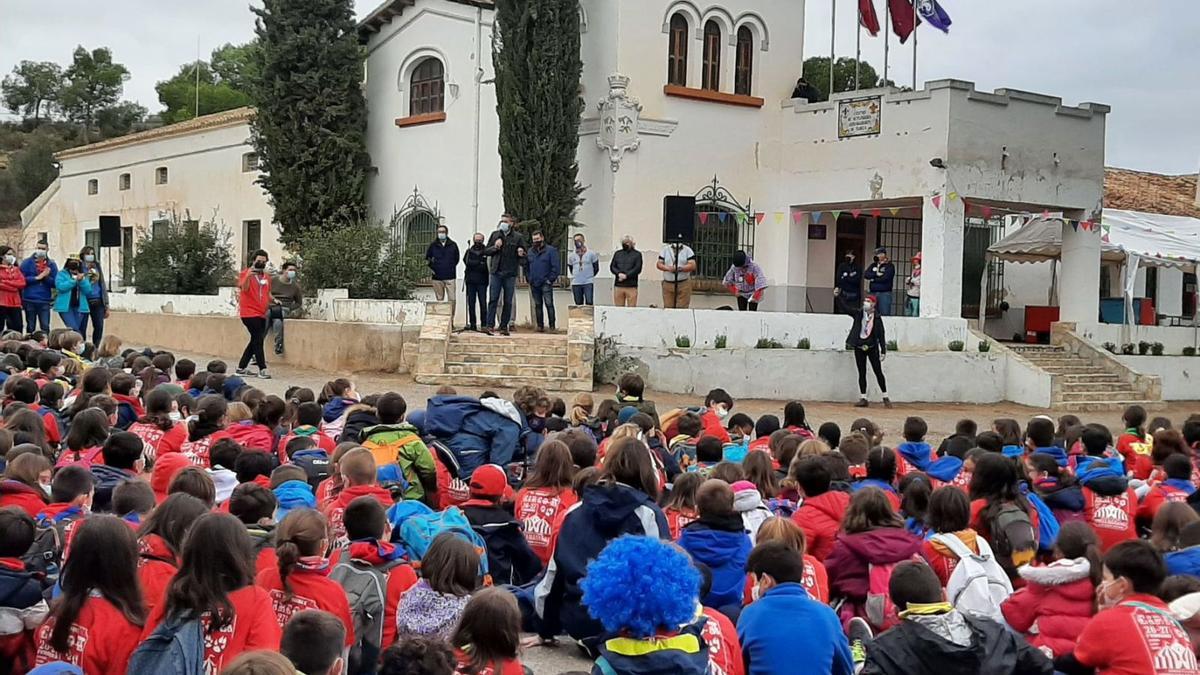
[(941, 258), (1079, 275)]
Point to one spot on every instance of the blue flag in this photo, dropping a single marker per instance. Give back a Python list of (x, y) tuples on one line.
[(932, 12)]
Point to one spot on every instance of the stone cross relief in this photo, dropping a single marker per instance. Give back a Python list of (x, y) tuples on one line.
[(620, 116)]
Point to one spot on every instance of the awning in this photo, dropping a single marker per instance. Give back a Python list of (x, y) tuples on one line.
[(1157, 240)]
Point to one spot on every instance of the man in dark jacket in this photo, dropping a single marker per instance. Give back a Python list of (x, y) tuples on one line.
[(542, 262), (881, 274), (40, 272), (847, 289), (626, 266), (510, 559), (936, 638), (442, 257), (475, 277), (508, 248), (122, 462)]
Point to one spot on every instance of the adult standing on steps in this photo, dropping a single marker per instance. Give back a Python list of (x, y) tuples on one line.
[(507, 246), (869, 343), (881, 274), (475, 278), (40, 273), (626, 266), (542, 273), (254, 297), (442, 257), (584, 265)]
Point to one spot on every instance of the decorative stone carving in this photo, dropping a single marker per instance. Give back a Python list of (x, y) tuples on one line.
[(619, 121)]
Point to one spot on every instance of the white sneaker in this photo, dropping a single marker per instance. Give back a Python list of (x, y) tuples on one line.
[(263, 374)]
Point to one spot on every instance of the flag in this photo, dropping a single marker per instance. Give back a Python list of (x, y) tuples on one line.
[(703, 217), (902, 18), (758, 218), (937, 201), (867, 17), (932, 12)]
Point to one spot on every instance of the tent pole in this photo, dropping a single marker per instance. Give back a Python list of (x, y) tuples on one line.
[(984, 287)]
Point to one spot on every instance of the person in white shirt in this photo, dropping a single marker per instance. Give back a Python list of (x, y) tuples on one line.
[(677, 262)]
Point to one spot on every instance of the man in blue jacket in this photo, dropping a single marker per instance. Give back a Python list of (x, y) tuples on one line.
[(542, 273), (769, 629), (40, 273), (442, 257), (881, 274)]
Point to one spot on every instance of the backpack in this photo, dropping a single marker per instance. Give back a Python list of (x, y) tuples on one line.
[(366, 589), (784, 508), (1013, 536), (978, 585), (1047, 524), (403, 510), (417, 532), (389, 453), (44, 557), (176, 647), (880, 611)]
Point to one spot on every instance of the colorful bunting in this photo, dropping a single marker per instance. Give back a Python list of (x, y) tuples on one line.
[(815, 216), (778, 217), (937, 201), (797, 216), (836, 214), (855, 212), (703, 217), (741, 218), (875, 213), (953, 196), (1075, 225), (758, 217), (721, 216), (894, 210), (986, 211)]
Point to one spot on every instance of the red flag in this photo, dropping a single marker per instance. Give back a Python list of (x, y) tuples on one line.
[(867, 16), (903, 18), (758, 217), (937, 201), (703, 217)]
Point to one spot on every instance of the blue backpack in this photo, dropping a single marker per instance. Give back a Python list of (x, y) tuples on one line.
[(176, 647), (401, 511), (418, 531), (1047, 523)]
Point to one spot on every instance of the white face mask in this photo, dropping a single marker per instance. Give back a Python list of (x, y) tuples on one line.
[(722, 413), (868, 307), (755, 593), (175, 416), (46, 488), (504, 226)]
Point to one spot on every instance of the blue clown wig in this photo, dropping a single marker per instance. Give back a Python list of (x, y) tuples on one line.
[(639, 585)]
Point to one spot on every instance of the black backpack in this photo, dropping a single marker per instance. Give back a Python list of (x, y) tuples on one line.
[(44, 557), (1013, 537)]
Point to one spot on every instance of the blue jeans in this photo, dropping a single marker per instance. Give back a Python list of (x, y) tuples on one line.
[(583, 294), (543, 294), (885, 303), (914, 306), (96, 312), (35, 313), (476, 296), (276, 318), (73, 319), (509, 286)]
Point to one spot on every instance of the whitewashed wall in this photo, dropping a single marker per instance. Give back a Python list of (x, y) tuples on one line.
[(329, 305), (1173, 338), (1180, 374)]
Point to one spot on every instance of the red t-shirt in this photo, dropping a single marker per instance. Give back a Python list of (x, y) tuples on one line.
[(101, 639), (160, 441), (815, 581), (197, 451), (251, 627), (323, 442), (1137, 637), (156, 569), (254, 294), (1112, 518), (724, 650), (1133, 446), (538, 510), (678, 519), (310, 590), (506, 667)]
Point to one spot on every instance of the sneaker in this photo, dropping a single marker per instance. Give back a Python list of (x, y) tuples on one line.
[(887, 403), (862, 403), (541, 329), (860, 636), (504, 332), (264, 375), (278, 351), (242, 371), (488, 331)]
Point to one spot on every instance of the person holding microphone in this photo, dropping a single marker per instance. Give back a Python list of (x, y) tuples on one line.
[(254, 297), (40, 274), (97, 298)]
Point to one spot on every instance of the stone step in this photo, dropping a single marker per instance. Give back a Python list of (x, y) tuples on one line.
[(1074, 370), (509, 346), (1056, 359), (550, 384), (1095, 378), (1098, 394), (518, 372), (1037, 349), (1107, 405), (543, 359), (521, 337)]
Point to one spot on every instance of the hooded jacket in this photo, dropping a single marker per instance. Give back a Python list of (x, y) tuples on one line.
[(1184, 561), (262, 538), (156, 567), (293, 494), (1110, 505), (164, 470), (475, 433), (913, 457), (1169, 490), (853, 554), (510, 559), (922, 647), (679, 653), (28, 499), (1059, 454), (22, 610), (357, 419), (252, 436), (12, 282), (606, 512), (335, 408), (821, 517), (129, 410), (945, 470), (1065, 501), (771, 642), (401, 444), (337, 509), (749, 505), (316, 465), (475, 269), (107, 479), (1054, 606), (721, 543)]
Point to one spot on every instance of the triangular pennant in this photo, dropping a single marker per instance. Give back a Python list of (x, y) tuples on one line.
[(875, 213), (987, 211), (855, 212), (937, 201), (797, 216), (778, 217), (721, 216), (758, 217), (815, 216), (741, 218), (953, 196), (836, 214), (1085, 225), (1075, 225), (703, 217), (894, 210)]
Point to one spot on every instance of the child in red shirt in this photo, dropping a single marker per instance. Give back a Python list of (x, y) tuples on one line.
[(488, 635), (367, 529), (546, 494), (301, 580), (1134, 633), (815, 579), (357, 469), (308, 422), (680, 508), (22, 605), (96, 622), (1134, 443), (208, 428), (218, 541), (158, 431), (160, 540)]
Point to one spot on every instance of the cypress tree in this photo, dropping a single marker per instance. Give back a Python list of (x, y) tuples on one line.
[(311, 122), (535, 52)]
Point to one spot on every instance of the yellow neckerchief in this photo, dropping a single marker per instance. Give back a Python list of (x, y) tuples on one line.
[(925, 609), (687, 643)]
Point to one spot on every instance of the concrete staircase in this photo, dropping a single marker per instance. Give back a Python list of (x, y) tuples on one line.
[(1082, 384), (554, 362)]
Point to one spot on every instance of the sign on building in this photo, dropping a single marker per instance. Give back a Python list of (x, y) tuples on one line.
[(859, 117)]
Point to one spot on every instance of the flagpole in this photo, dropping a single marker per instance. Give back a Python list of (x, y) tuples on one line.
[(914, 37), (857, 48), (887, 28), (832, 36)]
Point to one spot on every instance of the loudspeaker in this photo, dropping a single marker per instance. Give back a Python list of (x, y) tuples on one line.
[(110, 231), (679, 219)]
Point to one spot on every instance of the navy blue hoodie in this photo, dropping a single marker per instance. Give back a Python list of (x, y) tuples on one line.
[(723, 545), (606, 512)]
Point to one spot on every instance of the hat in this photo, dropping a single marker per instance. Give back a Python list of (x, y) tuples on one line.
[(871, 298), (881, 250), (739, 486), (293, 494), (626, 414), (917, 258), (488, 480), (231, 386)]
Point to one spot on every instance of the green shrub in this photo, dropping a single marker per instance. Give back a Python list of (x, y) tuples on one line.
[(362, 257), (768, 343), (1143, 348), (185, 260), (1127, 349), (1110, 347), (893, 346), (609, 363), (1189, 351), (721, 341), (1157, 349), (956, 345), (683, 341), (803, 344), (985, 346)]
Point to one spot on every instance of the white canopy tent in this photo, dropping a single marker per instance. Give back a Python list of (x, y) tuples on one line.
[(1131, 238)]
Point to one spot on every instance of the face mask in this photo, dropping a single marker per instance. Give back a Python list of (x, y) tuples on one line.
[(175, 416), (538, 244), (89, 258), (868, 307), (291, 275), (40, 253), (504, 226), (46, 488), (722, 413), (1102, 594), (260, 265), (10, 260), (442, 236), (627, 246), (755, 593), (72, 268), (137, 389), (579, 244), (479, 242)]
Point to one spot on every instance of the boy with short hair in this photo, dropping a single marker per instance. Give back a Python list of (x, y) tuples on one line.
[(718, 539), (510, 559), (122, 461), (394, 441), (71, 493), (822, 509), (312, 640), (308, 425), (129, 407), (1039, 438), (932, 634), (683, 444), (357, 468), (717, 406), (184, 370), (132, 501), (710, 451), (630, 390), (854, 446), (22, 607), (302, 452), (254, 505), (914, 454)]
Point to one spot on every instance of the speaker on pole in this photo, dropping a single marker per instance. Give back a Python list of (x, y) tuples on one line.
[(679, 219), (110, 231)]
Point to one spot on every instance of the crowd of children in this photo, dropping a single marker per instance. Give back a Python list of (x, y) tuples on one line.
[(156, 517)]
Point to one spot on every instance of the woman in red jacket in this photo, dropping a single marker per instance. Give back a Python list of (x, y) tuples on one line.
[(301, 579), (12, 281), (96, 622), (160, 540), (1058, 599), (544, 496), (254, 296), (159, 428), (215, 582)]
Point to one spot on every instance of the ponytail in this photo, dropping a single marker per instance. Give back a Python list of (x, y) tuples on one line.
[(287, 554), (298, 535)]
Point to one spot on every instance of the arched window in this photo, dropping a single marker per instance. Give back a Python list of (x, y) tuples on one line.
[(744, 70), (711, 78), (426, 91), (677, 54), (420, 227)]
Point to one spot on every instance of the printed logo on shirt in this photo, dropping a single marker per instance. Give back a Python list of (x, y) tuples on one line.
[(1169, 647), (337, 528), (458, 491), (76, 642), (197, 451), (151, 436), (719, 660), (215, 644), (285, 608), (537, 514), (809, 580), (1111, 513)]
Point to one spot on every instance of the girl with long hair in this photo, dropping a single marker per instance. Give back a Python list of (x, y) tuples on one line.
[(160, 541), (96, 623), (209, 427), (31, 425), (449, 575), (545, 497), (1011, 436), (996, 488), (1168, 524), (23, 485), (795, 420), (85, 440), (95, 382), (759, 471), (680, 506), (488, 636), (214, 585), (161, 428)]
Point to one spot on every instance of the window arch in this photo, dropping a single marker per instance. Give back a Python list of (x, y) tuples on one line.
[(711, 72), (744, 67), (677, 52), (427, 87), (418, 228)]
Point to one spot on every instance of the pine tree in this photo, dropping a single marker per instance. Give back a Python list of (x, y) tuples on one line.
[(311, 121), (535, 52)]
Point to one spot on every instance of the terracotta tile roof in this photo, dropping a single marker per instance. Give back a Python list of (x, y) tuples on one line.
[(202, 123), (1150, 192)]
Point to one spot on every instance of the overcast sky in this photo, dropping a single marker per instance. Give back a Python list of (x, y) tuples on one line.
[(1142, 58)]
